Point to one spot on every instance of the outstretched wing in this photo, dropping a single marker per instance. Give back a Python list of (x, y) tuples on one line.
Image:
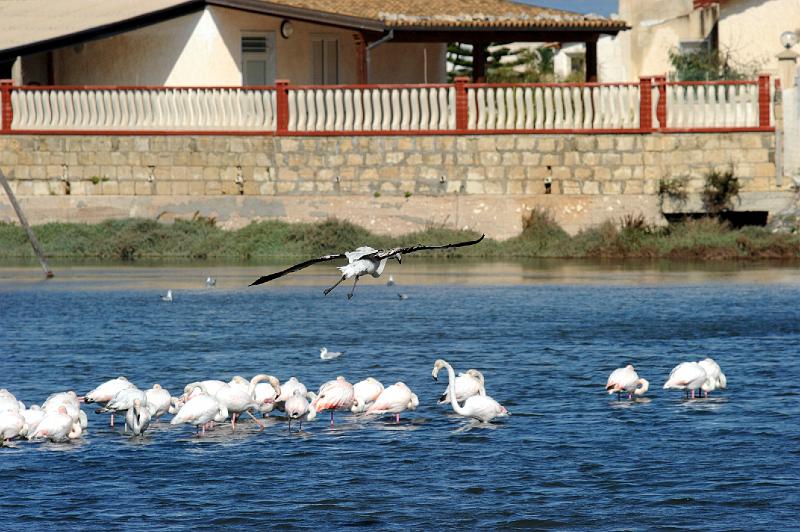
[(296, 267), (387, 253)]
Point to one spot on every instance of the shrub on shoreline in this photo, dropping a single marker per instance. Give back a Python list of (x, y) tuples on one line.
[(705, 239)]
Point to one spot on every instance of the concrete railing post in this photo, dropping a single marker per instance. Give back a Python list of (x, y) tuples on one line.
[(462, 110), (282, 104), (6, 112), (763, 100), (661, 107), (645, 104)]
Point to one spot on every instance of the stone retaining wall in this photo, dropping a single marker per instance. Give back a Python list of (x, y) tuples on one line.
[(593, 176)]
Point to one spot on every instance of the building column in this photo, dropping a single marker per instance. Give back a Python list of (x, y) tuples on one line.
[(361, 58), (591, 61), (478, 63)]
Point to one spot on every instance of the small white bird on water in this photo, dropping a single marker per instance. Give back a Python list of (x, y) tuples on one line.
[(390, 282), (324, 354), (167, 297), (363, 261), (211, 282)]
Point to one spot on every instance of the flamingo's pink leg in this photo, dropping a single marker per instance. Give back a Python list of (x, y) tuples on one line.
[(233, 422), (112, 420), (692, 394), (331, 418), (630, 396), (397, 418)]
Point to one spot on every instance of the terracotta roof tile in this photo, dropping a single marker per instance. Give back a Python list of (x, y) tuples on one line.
[(457, 13)]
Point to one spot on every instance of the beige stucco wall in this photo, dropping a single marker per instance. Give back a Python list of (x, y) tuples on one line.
[(750, 30), (204, 49), (393, 184), (658, 26)]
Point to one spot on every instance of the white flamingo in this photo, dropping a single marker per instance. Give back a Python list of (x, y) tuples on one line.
[(363, 261), (626, 380), (334, 395), (688, 376), (106, 391), (122, 401), (395, 399), (715, 379), (57, 427), (137, 419), (158, 401), (466, 385), (480, 407), (33, 415), (287, 390), (366, 392), (266, 394), (237, 399), (12, 424), (70, 401), (199, 410), (210, 386), (298, 407)]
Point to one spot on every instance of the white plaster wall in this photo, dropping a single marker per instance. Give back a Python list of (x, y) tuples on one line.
[(657, 26), (204, 49), (750, 30)]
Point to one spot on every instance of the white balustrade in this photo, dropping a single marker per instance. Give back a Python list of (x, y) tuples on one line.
[(380, 108), (144, 109), (718, 105)]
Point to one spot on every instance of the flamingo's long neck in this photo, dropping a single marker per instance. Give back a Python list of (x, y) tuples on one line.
[(381, 266), (451, 386), (642, 386)]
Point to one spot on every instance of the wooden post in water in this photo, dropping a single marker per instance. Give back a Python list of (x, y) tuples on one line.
[(48, 273)]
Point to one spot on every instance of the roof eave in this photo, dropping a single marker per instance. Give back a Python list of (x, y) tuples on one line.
[(105, 30), (296, 13)]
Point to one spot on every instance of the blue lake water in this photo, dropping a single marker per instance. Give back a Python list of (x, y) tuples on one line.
[(546, 338)]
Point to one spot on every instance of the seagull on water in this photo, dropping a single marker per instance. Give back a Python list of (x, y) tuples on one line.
[(390, 282), (364, 260), (167, 297), (324, 354), (401, 297)]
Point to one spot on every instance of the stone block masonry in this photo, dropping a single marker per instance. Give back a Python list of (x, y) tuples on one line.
[(393, 184)]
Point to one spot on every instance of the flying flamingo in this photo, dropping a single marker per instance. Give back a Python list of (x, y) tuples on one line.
[(715, 379), (334, 395), (298, 407), (480, 407), (688, 376), (366, 392), (363, 261), (137, 419), (395, 399), (466, 385), (626, 380)]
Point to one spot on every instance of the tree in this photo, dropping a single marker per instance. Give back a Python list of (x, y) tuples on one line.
[(708, 65), (503, 65)]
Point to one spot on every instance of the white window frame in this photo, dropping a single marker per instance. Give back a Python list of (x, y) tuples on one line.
[(270, 56)]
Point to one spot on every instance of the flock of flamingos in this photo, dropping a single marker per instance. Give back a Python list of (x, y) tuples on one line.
[(204, 403)]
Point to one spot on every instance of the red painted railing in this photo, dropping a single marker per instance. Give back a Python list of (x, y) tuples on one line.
[(651, 105)]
